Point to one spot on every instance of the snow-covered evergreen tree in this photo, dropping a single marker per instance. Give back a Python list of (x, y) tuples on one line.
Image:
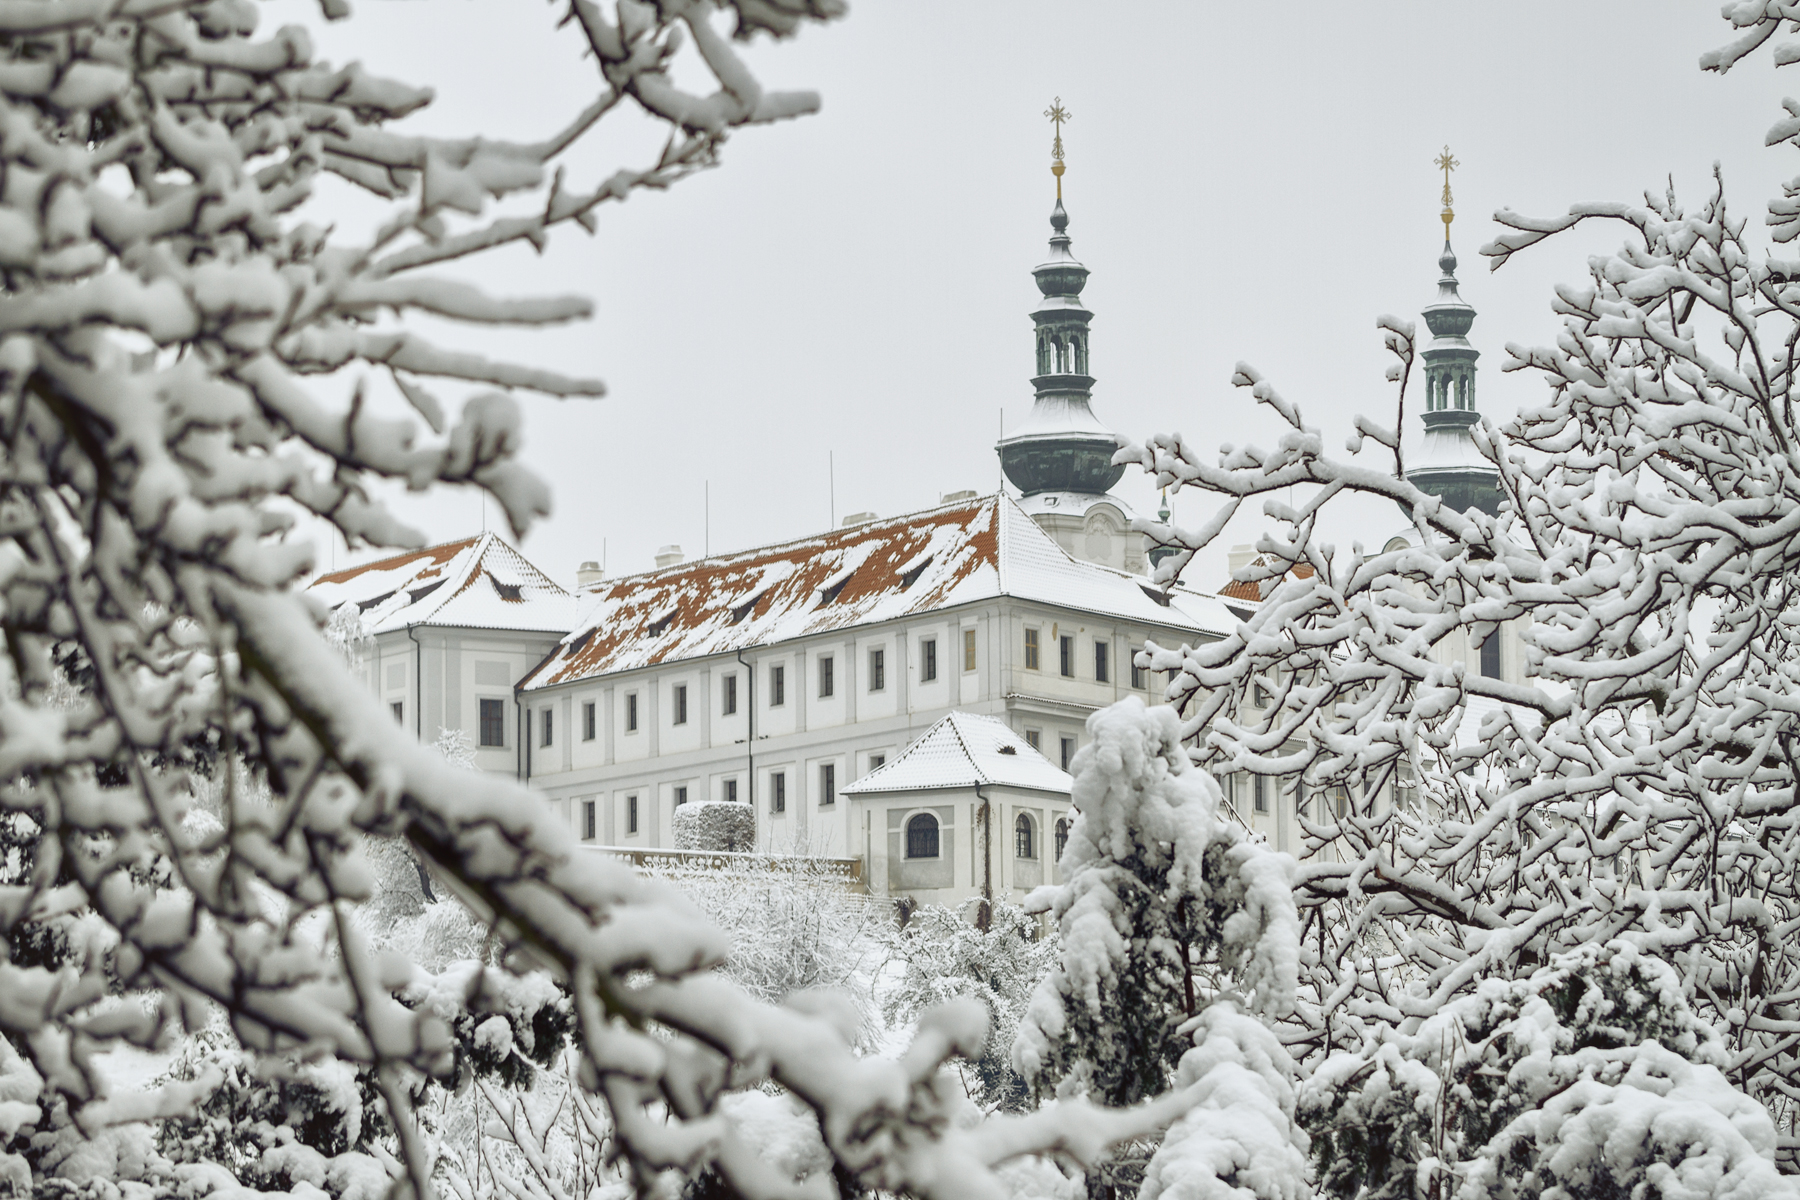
[(1178, 932)]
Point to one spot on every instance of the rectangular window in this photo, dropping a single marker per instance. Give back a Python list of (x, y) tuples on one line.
[(631, 712), (827, 784), (680, 704), (1068, 752), (1138, 674), (548, 727), (876, 761), (631, 814), (728, 696), (778, 792), (927, 660), (1100, 663), (587, 721), (1259, 787), (1065, 653), (680, 796), (877, 670), (1031, 649), (1490, 655), (968, 649), (399, 711), (587, 820), (493, 722), (731, 791), (1033, 738), (827, 684), (777, 686)]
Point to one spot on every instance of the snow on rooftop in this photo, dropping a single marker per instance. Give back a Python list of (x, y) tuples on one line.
[(962, 750), (479, 582), (936, 559)]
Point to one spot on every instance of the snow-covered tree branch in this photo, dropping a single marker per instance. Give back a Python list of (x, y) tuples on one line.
[(1638, 787)]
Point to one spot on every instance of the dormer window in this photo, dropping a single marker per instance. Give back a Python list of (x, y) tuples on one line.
[(743, 612), (508, 591), (660, 625), (419, 593), (829, 595), (909, 575), (377, 602)]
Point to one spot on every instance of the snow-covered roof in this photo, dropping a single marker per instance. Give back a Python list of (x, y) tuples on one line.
[(1237, 589), (962, 750), (955, 554), (479, 582)]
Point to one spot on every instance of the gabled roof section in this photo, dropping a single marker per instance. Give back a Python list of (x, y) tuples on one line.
[(962, 750), (479, 582), (939, 558)]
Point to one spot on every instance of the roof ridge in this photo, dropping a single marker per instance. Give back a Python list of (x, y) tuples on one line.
[(752, 552), (963, 745), (359, 568)]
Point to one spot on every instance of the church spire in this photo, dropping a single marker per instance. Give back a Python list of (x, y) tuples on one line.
[(1450, 467), (1061, 446)]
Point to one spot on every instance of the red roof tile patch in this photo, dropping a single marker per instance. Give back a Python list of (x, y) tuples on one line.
[(439, 555)]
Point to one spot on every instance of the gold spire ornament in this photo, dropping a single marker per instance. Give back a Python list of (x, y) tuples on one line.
[(1057, 114), (1448, 164)]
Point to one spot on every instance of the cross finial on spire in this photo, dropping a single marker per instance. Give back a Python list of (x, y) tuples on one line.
[(1448, 164), (1057, 114)]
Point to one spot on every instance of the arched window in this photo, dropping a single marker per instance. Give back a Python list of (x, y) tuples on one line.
[(1022, 840), (1043, 354), (922, 837), (1062, 836)]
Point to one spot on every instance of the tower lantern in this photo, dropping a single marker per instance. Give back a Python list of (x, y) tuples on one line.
[(1061, 457), (1449, 466)]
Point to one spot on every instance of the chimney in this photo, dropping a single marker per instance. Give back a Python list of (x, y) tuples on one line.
[(668, 556), (861, 518), (957, 497), (587, 575), (1241, 557)]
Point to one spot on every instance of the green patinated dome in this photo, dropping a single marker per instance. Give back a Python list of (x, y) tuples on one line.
[(1061, 446)]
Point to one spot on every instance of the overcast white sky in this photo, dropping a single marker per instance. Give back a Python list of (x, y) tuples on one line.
[(1246, 182)]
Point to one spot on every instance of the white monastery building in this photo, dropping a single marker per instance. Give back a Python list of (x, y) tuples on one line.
[(906, 692)]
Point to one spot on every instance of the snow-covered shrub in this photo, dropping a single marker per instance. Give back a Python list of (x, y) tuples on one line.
[(793, 926), (717, 825), (1167, 911), (1240, 1138), (1591, 1077), (945, 955)]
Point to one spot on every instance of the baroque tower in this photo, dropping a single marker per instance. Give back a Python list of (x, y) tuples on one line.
[(1448, 465), (1060, 456)]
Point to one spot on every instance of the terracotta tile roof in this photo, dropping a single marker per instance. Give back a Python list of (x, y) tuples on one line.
[(1237, 589), (936, 559), (478, 582)]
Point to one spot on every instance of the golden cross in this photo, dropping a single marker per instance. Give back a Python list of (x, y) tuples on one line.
[(1057, 114), (1448, 164)]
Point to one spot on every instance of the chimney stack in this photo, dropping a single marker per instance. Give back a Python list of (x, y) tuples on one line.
[(587, 575), (668, 556)]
